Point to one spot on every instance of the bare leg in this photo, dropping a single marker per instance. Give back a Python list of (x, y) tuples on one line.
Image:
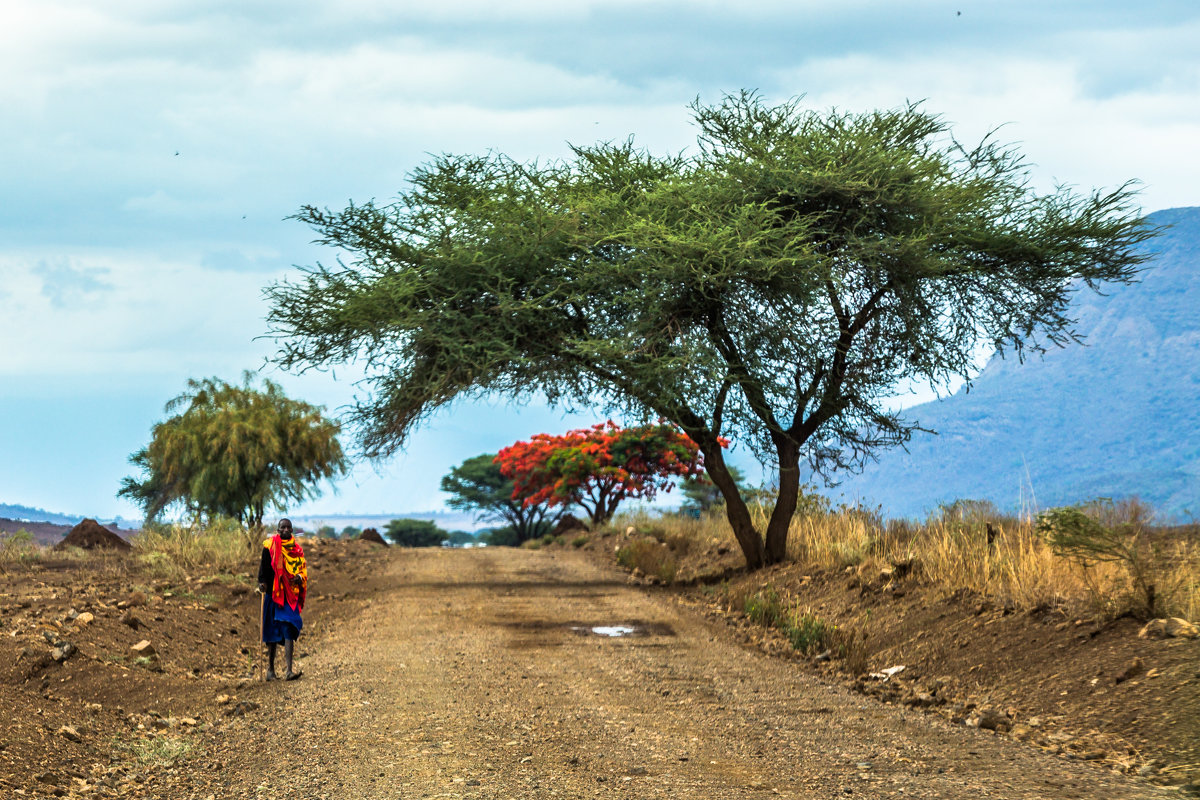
[(288, 647), (271, 661)]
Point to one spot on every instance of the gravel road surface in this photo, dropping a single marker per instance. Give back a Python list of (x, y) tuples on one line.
[(476, 674)]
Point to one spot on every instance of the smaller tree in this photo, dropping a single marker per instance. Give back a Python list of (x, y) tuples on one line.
[(500, 537), (350, 532), (327, 532), (597, 468), (479, 485), (235, 451), (415, 533), (460, 538)]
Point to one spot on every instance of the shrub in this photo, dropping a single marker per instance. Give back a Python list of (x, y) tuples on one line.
[(415, 533), (765, 607), (18, 547), (1104, 531), (650, 557), (181, 550), (579, 541), (805, 631)]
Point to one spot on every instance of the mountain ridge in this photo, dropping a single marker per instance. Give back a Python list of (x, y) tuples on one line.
[(1116, 417)]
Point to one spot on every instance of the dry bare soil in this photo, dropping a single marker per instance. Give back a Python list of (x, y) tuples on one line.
[(463, 673)]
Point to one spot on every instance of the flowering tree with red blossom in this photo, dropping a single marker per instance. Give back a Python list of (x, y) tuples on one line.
[(598, 467)]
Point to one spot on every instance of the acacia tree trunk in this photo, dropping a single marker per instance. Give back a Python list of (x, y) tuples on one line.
[(785, 503), (748, 537)]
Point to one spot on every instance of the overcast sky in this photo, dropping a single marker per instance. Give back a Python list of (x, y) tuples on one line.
[(151, 150)]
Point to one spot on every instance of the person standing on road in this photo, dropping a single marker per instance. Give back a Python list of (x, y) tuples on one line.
[(283, 582)]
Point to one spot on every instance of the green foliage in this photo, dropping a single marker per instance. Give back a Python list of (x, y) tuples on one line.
[(765, 607), (234, 451), (501, 537), (327, 532), (459, 538), (350, 532), (806, 632), (478, 485), (1104, 531), (18, 547), (579, 541), (774, 286), (415, 533)]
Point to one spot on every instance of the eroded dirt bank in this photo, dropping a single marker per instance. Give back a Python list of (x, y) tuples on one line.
[(463, 674)]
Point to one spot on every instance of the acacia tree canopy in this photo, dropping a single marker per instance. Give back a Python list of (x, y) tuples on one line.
[(234, 451), (775, 286)]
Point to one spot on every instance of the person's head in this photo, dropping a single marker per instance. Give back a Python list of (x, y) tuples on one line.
[(285, 528)]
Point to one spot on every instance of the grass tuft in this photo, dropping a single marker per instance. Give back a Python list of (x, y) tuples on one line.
[(651, 557)]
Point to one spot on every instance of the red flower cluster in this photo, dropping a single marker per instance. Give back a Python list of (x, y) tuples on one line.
[(598, 467)]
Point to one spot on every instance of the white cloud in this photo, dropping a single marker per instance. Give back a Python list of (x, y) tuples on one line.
[(127, 316), (156, 261), (1068, 135)]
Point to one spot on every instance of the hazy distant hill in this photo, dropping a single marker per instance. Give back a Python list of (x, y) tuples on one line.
[(446, 520), (18, 512), (1116, 418)]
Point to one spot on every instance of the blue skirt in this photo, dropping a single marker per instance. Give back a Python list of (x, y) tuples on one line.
[(280, 622)]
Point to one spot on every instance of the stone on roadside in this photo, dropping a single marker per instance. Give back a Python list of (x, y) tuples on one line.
[(84, 619), (989, 719), (241, 708), (129, 619), (920, 700), (135, 599), (1134, 669), (143, 648), (70, 734), (1168, 628), (223, 699), (62, 652)]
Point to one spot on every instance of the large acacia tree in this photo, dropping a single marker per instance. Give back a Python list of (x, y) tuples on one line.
[(234, 451), (774, 286)]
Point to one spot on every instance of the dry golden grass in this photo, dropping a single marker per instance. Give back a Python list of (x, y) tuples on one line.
[(1017, 568), (179, 551), (172, 551)]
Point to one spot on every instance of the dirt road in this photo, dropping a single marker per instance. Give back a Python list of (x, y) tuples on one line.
[(474, 674)]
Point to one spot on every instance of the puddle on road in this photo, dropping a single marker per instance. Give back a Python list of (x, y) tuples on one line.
[(612, 631), (631, 628)]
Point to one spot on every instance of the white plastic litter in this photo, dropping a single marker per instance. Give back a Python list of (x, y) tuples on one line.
[(885, 674)]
